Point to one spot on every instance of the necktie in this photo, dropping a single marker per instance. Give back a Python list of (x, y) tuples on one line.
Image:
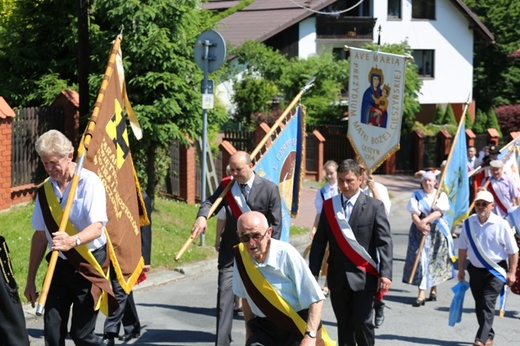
[(244, 190), (348, 209)]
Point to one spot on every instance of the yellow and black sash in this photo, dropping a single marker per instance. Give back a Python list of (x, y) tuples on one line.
[(79, 257), (267, 299)]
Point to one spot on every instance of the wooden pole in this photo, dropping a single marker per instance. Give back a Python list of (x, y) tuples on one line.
[(438, 191), (282, 117)]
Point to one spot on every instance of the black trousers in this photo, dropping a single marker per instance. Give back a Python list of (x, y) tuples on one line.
[(126, 313), (354, 313), (12, 320), (485, 288), (225, 301), (69, 287), (267, 333)]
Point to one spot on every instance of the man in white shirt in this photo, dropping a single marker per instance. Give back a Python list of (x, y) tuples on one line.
[(488, 244)]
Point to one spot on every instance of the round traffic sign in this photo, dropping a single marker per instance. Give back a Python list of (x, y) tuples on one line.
[(210, 46)]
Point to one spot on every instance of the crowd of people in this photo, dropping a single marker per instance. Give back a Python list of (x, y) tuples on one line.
[(266, 279)]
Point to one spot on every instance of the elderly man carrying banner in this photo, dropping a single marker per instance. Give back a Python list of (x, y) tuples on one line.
[(283, 301)]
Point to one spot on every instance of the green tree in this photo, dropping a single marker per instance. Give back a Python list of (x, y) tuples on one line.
[(439, 115), (468, 123), (492, 121), (480, 124), (322, 99), (162, 77), (252, 97), (267, 74), (497, 77), (38, 57), (38, 52), (449, 116)]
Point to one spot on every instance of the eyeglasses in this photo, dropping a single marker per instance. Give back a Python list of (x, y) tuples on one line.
[(257, 236), (481, 204)]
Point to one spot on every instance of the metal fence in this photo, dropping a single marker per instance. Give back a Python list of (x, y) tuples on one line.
[(28, 125)]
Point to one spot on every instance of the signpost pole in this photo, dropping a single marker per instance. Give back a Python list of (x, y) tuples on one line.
[(208, 40)]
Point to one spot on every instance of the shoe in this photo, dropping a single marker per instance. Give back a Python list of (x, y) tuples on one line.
[(129, 336), (489, 342), (109, 341), (478, 343), (433, 297), (380, 316), (419, 302)]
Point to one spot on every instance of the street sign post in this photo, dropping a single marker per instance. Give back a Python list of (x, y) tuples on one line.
[(210, 52)]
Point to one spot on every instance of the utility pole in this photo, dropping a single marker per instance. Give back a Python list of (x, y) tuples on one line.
[(83, 58)]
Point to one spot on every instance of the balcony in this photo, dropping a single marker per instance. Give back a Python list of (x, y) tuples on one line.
[(345, 28)]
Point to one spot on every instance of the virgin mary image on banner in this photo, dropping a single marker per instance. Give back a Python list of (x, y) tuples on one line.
[(376, 92), (375, 100)]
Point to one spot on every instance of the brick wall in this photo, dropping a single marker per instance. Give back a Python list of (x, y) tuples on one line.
[(5, 163)]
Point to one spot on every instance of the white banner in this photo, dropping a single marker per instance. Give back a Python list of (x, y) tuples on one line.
[(376, 93)]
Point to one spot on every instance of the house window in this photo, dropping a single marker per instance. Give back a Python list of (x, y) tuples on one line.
[(340, 54), (423, 9), (394, 9), (425, 63)]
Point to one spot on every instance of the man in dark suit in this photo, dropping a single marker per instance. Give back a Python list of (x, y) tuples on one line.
[(126, 313), (248, 192), (360, 262)]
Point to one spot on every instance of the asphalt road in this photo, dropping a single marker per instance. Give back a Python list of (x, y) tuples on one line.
[(178, 307)]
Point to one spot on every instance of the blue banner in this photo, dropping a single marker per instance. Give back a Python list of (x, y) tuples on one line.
[(282, 164), (456, 182)]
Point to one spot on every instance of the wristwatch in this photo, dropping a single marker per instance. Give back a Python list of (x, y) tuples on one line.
[(311, 334), (78, 241)]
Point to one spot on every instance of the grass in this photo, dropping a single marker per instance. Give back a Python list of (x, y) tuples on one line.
[(172, 223)]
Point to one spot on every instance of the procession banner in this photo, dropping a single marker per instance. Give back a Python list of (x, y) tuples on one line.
[(107, 149), (376, 93), (282, 164), (456, 181), (510, 158)]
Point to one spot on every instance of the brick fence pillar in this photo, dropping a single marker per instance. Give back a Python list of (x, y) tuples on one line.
[(6, 120), (261, 130), (227, 149), (319, 156), (493, 136), (444, 140), (470, 138)]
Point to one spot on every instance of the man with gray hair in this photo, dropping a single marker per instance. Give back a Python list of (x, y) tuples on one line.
[(503, 188)]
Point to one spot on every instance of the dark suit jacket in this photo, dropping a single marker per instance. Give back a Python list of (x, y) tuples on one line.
[(146, 232), (478, 162), (370, 226), (263, 197)]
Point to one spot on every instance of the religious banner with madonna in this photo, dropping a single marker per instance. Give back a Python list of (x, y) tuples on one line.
[(376, 93)]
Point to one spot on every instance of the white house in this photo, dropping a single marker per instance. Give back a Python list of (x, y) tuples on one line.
[(442, 33)]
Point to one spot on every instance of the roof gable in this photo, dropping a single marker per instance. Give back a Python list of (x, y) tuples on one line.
[(266, 18)]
